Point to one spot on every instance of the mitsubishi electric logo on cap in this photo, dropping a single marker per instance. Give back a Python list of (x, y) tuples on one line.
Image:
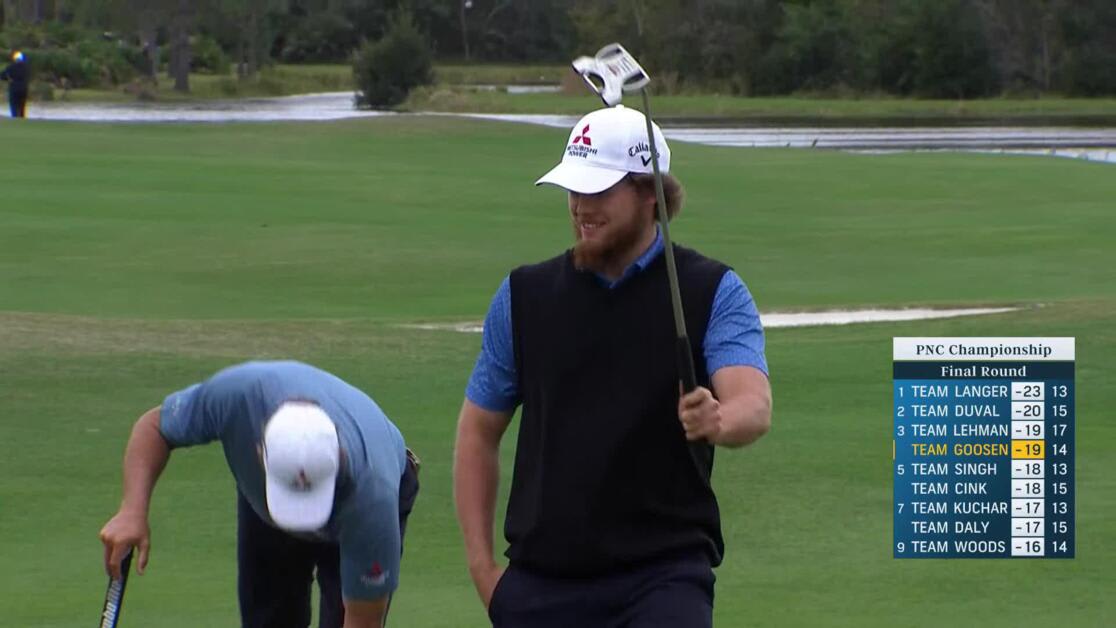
[(582, 145), (584, 137)]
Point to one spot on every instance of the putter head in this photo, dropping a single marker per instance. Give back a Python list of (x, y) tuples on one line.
[(611, 72)]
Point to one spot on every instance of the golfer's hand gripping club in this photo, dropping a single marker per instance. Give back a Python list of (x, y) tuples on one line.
[(124, 533)]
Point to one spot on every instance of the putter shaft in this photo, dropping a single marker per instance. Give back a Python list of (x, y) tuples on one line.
[(685, 356)]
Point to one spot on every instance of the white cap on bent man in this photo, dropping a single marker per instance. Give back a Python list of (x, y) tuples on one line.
[(604, 146), (301, 461)]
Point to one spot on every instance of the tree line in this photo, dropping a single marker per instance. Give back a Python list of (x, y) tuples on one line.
[(926, 48)]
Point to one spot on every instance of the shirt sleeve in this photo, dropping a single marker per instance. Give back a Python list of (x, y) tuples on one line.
[(371, 548), (494, 382), (197, 415), (734, 336)]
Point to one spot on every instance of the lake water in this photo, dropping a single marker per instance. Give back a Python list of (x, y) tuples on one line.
[(1092, 143)]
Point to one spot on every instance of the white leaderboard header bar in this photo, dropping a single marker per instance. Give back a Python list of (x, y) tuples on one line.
[(984, 349)]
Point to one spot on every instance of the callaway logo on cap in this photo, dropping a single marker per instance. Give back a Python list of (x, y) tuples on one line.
[(604, 146)]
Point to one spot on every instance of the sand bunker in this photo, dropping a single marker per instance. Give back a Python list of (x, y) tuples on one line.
[(774, 320)]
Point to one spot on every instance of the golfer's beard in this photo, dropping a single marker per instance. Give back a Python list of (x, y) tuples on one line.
[(602, 253)]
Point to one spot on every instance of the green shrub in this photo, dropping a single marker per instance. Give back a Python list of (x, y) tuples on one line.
[(22, 36), (58, 65), (206, 56), (66, 54), (41, 91), (115, 62), (387, 70), (60, 35), (228, 86)]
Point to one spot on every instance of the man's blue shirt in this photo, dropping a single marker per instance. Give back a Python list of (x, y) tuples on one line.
[(733, 337), (234, 405)]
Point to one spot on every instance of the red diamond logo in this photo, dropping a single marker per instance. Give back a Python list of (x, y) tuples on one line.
[(584, 137)]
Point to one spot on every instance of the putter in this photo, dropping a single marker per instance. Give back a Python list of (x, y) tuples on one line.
[(609, 74), (114, 596)]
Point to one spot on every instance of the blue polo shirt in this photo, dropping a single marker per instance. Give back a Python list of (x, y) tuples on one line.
[(234, 405), (733, 337)]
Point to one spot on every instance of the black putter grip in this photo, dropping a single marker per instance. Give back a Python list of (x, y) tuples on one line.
[(700, 451), (686, 364), (114, 595)]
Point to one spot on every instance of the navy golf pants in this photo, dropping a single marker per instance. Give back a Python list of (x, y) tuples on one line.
[(276, 569), (667, 594), (17, 102)]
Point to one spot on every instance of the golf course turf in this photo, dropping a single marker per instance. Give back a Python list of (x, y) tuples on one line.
[(138, 259)]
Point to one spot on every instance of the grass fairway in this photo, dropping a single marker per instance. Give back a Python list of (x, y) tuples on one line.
[(135, 260)]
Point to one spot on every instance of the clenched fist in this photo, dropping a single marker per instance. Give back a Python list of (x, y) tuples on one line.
[(700, 414)]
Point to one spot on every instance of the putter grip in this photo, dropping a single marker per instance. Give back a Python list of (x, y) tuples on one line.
[(114, 595), (686, 364), (700, 451)]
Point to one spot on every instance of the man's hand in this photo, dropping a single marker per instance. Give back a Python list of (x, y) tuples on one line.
[(144, 458), (485, 579), (123, 532), (476, 473), (700, 414)]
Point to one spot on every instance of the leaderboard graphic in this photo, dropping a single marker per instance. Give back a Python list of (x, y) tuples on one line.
[(984, 447)]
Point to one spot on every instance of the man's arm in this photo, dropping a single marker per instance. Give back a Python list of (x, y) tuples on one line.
[(144, 459), (366, 614), (745, 400), (734, 353), (476, 475), (740, 413)]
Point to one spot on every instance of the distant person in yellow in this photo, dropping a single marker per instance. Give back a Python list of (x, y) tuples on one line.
[(18, 76)]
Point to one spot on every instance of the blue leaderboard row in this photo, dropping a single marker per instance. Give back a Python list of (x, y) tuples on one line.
[(984, 447)]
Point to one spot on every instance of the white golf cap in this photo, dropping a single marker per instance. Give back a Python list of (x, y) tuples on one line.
[(604, 146), (301, 460)]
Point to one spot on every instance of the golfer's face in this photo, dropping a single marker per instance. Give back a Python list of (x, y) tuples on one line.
[(599, 217)]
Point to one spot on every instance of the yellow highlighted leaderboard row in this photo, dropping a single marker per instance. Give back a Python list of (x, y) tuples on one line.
[(1028, 449)]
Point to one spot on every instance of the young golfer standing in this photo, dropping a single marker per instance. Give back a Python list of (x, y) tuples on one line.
[(612, 520)]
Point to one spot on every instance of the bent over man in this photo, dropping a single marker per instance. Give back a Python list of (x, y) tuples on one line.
[(325, 486)]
